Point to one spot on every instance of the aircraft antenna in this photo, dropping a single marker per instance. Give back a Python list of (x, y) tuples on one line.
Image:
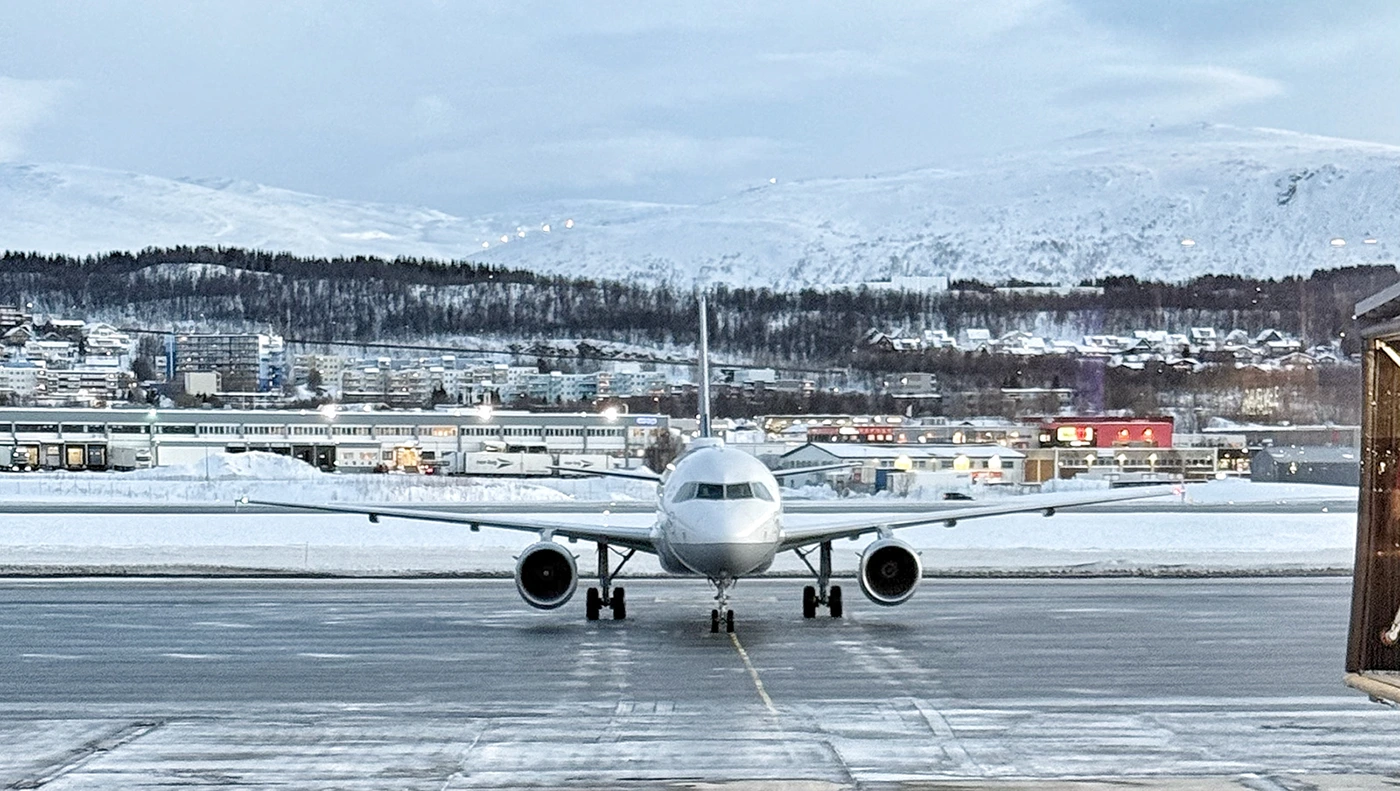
[(704, 383)]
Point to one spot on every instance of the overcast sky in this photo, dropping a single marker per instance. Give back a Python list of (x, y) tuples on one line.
[(471, 107)]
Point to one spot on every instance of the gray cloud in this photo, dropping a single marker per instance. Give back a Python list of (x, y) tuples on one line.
[(24, 104), (473, 107)]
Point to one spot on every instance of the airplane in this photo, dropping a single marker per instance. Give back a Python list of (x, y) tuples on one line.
[(720, 516)]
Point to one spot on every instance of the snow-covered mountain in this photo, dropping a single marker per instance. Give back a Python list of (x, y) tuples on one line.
[(80, 210), (1248, 201)]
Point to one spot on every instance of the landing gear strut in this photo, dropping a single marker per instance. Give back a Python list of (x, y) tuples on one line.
[(721, 611), (605, 595), (824, 594)]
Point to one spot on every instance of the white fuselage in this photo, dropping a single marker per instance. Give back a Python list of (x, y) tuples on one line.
[(720, 513)]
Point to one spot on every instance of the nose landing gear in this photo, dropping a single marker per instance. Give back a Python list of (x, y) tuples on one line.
[(722, 611), (824, 594)]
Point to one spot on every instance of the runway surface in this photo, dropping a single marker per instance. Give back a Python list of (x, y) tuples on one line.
[(456, 684)]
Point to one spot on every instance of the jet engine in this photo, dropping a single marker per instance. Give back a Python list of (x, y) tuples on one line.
[(890, 570), (545, 575)]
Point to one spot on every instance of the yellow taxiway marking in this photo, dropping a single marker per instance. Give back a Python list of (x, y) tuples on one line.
[(753, 674)]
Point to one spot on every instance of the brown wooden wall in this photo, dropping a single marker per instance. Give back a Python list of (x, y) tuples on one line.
[(1376, 586)]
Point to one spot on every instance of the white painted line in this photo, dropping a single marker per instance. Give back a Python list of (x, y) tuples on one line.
[(753, 674)]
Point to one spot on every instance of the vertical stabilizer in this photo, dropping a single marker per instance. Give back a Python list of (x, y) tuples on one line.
[(703, 385)]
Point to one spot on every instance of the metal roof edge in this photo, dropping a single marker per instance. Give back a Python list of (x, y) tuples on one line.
[(1377, 300)]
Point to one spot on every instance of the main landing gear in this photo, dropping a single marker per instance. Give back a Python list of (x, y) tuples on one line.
[(605, 595), (824, 593), (722, 613)]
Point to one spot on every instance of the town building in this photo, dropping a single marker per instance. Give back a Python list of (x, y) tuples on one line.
[(1307, 464), (249, 362), (872, 465)]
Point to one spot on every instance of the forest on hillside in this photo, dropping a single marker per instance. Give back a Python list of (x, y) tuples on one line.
[(371, 299), (364, 299)]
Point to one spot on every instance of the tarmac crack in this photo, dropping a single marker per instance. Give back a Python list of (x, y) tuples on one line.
[(77, 758)]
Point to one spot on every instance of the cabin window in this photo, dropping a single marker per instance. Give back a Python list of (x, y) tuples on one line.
[(709, 491)]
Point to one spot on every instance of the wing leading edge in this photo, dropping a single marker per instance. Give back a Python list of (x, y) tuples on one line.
[(801, 536), (631, 537)]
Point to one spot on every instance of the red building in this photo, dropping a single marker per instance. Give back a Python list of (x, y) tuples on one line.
[(1106, 432)]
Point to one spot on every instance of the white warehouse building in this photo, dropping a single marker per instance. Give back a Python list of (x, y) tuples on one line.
[(455, 440)]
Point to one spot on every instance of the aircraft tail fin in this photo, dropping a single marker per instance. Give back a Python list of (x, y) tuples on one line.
[(704, 373)]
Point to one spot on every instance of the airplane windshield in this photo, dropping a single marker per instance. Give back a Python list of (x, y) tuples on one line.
[(723, 491)]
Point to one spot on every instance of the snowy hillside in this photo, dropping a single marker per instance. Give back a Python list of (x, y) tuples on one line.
[(1254, 202), (80, 210)]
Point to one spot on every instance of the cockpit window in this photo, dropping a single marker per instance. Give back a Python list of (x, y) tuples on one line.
[(738, 491), (723, 491)]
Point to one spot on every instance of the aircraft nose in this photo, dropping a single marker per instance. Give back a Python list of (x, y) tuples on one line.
[(724, 559)]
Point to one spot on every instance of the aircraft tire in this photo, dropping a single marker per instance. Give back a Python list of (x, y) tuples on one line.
[(619, 604), (834, 601), (729, 622), (714, 621), (593, 604), (809, 602)]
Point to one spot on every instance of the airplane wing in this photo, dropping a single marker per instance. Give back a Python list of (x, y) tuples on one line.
[(631, 537), (636, 474), (808, 470), (1047, 504)]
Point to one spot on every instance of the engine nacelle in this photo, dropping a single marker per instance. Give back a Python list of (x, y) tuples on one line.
[(890, 570), (545, 575)]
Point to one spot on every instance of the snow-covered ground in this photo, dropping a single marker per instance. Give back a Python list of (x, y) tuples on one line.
[(1173, 536), (224, 478)]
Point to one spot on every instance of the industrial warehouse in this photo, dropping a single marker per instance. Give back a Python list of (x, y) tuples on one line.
[(884, 452), (472, 441)]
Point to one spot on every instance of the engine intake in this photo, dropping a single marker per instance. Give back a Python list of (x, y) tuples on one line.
[(545, 575), (890, 570)]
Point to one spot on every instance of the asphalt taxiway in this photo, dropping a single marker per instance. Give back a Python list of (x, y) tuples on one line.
[(457, 684)]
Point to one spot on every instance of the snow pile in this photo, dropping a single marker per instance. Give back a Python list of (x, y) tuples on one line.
[(1257, 202), (226, 477), (1074, 485), (1240, 490), (256, 465)]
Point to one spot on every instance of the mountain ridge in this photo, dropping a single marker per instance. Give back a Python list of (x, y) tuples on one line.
[(1165, 203)]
